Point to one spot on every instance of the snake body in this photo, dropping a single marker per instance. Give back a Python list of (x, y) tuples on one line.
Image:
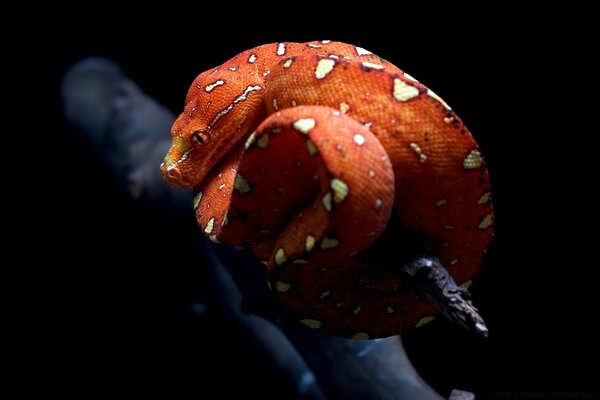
[(333, 165)]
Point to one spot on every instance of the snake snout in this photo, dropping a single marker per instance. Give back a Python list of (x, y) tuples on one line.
[(172, 175)]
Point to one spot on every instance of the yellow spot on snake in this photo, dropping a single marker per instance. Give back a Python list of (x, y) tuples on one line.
[(417, 149), (424, 321), (311, 323), (357, 310), (359, 139), (282, 287), (403, 91), (304, 125), (371, 65), (441, 202), (340, 190), (487, 221), (409, 77), (362, 52), (209, 226), (466, 284), (448, 120), (197, 198), (360, 336), (329, 243), (280, 256), (438, 98), (210, 87), (389, 310), (473, 160), (288, 63), (327, 201), (309, 243), (453, 261), (263, 142), (324, 67), (281, 49), (344, 107), (324, 294), (241, 185), (310, 146), (485, 198), (250, 140)]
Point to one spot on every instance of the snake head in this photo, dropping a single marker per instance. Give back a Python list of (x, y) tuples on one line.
[(185, 163), (220, 106)]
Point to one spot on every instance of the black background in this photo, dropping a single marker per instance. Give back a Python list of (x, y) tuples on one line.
[(109, 314)]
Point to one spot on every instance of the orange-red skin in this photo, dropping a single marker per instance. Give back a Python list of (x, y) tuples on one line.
[(416, 161)]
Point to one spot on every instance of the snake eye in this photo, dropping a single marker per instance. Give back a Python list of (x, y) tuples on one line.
[(200, 137)]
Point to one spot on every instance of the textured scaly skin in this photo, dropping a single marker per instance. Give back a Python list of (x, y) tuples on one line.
[(332, 165)]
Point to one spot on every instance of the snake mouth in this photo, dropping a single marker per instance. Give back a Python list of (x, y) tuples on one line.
[(173, 176)]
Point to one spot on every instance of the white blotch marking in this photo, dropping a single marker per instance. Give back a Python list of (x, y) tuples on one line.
[(340, 190), (326, 200), (250, 140), (238, 99), (240, 184), (324, 67), (266, 73), (263, 142), (281, 49), (225, 220), (324, 294), (432, 94), (309, 243), (359, 139), (288, 63), (487, 221), (304, 125), (389, 310), (466, 284), (453, 261), (362, 52), (410, 78), (441, 202), (360, 336), (252, 58), (485, 198), (473, 160), (448, 120), (184, 156), (423, 321), (357, 310), (311, 323), (310, 146), (210, 87), (213, 238), (314, 46), (344, 107), (197, 198), (275, 105), (417, 149), (282, 287), (329, 243), (280, 256), (449, 227), (403, 91), (281, 190), (377, 203), (325, 41), (221, 186), (338, 305), (232, 69), (370, 65), (371, 173), (209, 226)]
